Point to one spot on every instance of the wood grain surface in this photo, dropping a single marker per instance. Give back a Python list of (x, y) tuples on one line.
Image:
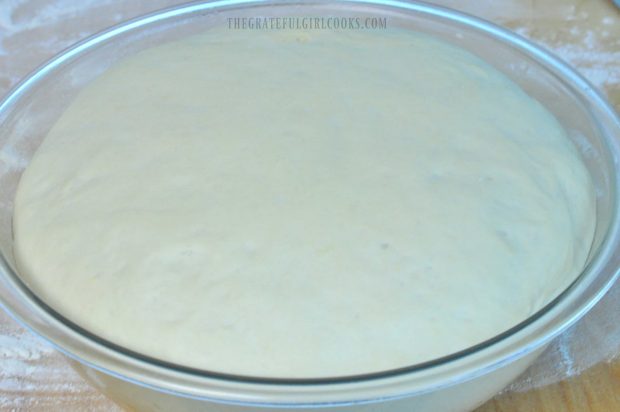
[(33, 377)]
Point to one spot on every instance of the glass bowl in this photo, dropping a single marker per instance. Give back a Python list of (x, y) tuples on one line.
[(459, 381)]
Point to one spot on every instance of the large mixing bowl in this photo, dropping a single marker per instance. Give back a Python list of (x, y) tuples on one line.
[(459, 381)]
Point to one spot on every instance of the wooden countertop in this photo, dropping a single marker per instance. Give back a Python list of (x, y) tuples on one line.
[(33, 377)]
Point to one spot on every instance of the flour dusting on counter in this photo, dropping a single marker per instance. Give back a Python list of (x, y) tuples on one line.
[(34, 377)]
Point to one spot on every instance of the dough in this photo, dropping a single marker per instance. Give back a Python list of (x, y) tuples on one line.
[(302, 204)]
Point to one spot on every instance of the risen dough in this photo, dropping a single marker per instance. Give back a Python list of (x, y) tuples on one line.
[(302, 204)]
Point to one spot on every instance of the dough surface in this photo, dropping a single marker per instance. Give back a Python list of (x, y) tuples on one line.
[(302, 204)]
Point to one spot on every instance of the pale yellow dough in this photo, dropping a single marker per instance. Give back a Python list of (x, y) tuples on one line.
[(302, 204)]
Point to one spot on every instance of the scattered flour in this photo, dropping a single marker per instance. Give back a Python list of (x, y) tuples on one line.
[(34, 377)]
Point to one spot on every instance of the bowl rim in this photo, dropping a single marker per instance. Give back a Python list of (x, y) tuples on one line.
[(538, 329)]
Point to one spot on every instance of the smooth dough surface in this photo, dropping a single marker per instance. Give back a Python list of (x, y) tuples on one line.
[(302, 204)]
